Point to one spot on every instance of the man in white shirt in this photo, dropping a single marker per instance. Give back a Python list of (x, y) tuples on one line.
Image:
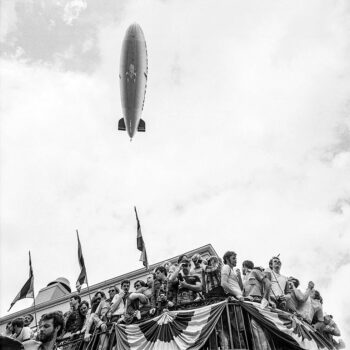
[(279, 283), (20, 332), (231, 279), (231, 282), (118, 308)]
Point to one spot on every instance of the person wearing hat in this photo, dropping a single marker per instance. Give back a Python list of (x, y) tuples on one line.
[(188, 286)]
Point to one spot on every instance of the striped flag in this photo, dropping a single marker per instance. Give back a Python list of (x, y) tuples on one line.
[(27, 290), (141, 244), (82, 276)]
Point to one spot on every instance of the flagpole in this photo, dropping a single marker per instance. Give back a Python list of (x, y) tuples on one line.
[(36, 322), (88, 287)]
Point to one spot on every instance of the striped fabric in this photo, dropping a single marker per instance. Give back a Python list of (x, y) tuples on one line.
[(180, 330), (288, 327)]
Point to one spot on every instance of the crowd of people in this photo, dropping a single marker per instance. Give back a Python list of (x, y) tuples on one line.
[(186, 283)]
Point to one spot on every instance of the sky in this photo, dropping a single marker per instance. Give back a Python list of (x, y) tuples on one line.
[(247, 142)]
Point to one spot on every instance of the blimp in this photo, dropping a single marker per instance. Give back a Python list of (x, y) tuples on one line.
[(133, 76)]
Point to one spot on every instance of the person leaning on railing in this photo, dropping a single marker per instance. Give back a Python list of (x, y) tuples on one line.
[(159, 298), (84, 313), (188, 286), (98, 316), (256, 284), (212, 278), (279, 287), (299, 302), (20, 332), (328, 329), (231, 279)]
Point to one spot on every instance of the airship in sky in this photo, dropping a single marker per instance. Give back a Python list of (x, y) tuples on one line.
[(133, 80)]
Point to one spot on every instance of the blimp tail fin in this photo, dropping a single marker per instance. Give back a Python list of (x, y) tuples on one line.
[(121, 124), (142, 126)]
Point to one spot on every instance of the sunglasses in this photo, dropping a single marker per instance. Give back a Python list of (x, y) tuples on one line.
[(110, 291)]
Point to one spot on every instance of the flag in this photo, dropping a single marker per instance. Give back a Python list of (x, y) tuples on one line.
[(140, 243), (82, 276), (27, 290)]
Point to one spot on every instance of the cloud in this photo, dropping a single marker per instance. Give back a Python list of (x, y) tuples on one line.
[(72, 10), (40, 33), (7, 18)]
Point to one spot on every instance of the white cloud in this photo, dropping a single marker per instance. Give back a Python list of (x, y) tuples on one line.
[(8, 18), (72, 10)]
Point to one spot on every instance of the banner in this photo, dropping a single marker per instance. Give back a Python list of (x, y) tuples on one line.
[(287, 327), (183, 329)]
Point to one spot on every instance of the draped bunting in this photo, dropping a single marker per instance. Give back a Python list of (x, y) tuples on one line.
[(173, 330), (288, 327), (190, 329)]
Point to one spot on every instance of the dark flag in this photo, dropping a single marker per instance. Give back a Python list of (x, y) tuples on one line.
[(27, 290), (140, 243), (82, 277)]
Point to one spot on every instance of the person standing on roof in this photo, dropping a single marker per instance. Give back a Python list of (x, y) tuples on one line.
[(188, 286), (20, 332), (256, 284), (328, 329), (279, 285), (231, 279), (299, 302), (50, 328), (72, 317)]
